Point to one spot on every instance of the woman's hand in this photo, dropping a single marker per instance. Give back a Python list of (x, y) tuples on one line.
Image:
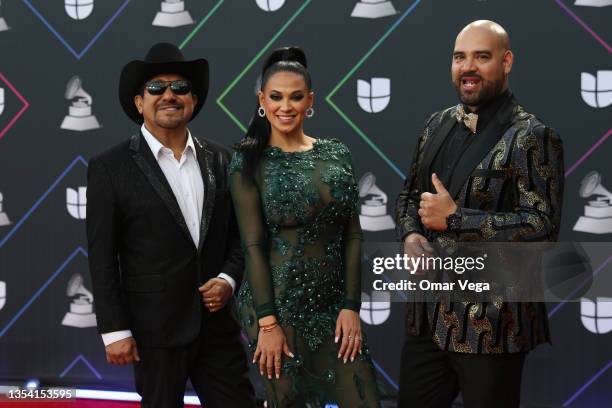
[(348, 331), (270, 347)]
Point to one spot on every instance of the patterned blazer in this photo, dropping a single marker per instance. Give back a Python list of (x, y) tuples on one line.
[(508, 186)]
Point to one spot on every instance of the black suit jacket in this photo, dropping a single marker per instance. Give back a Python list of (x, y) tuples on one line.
[(145, 268), (508, 186)]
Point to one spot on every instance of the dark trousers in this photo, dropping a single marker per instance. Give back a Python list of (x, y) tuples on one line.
[(432, 378), (215, 363)]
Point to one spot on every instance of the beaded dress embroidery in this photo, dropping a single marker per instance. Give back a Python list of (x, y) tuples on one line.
[(302, 241)]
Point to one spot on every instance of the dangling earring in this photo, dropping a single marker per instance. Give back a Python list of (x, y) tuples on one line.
[(261, 112), (309, 112)]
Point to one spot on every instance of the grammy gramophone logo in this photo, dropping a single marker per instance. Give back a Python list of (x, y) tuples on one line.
[(3, 25), (79, 116), (597, 218), (81, 308), (373, 216), (593, 3), (172, 14), (373, 9)]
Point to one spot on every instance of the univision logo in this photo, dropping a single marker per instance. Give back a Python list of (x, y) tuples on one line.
[(374, 96), (79, 9), (2, 294), (597, 316), (270, 5), (596, 91), (76, 202), (375, 309), (4, 219)]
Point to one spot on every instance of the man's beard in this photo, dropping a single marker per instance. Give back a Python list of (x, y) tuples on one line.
[(488, 91)]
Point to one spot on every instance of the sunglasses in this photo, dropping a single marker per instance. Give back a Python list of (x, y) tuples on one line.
[(178, 87)]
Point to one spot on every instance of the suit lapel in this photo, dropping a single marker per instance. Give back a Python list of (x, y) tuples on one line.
[(142, 155), (206, 162), (432, 149), (485, 141)]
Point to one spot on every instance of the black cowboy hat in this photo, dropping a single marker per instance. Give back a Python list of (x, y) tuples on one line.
[(162, 58)]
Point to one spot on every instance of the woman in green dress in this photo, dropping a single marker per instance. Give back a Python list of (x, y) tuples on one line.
[(296, 203)]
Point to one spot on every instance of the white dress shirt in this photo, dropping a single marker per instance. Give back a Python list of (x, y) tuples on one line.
[(186, 182)]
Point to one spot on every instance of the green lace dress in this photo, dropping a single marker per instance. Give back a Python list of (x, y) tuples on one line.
[(302, 242)]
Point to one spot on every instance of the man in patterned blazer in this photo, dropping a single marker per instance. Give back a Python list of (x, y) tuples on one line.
[(484, 170)]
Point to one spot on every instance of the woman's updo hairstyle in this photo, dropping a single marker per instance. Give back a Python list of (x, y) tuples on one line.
[(286, 59), (257, 137)]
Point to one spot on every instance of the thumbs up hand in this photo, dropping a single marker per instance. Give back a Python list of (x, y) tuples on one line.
[(434, 208)]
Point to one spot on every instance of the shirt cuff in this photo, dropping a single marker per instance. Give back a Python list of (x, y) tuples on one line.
[(229, 280), (109, 338), (403, 230)]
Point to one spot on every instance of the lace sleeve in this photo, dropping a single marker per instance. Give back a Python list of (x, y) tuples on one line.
[(247, 203), (352, 240)]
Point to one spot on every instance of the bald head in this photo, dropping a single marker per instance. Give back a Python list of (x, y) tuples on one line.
[(490, 29), (482, 62)]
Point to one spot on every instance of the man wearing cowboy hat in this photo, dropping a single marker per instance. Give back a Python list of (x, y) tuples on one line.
[(164, 249)]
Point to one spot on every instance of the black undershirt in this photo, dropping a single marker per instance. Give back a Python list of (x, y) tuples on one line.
[(460, 138)]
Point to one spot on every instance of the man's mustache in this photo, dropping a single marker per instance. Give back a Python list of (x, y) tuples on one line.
[(470, 74), (170, 105)]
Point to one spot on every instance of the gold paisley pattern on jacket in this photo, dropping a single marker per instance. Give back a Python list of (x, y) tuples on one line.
[(521, 203)]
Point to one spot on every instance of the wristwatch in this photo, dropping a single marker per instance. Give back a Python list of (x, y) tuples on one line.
[(453, 221)]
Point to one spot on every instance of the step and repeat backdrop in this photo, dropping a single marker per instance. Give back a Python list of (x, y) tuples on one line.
[(379, 69)]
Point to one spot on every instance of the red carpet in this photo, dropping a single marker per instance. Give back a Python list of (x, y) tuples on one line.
[(79, 403)]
